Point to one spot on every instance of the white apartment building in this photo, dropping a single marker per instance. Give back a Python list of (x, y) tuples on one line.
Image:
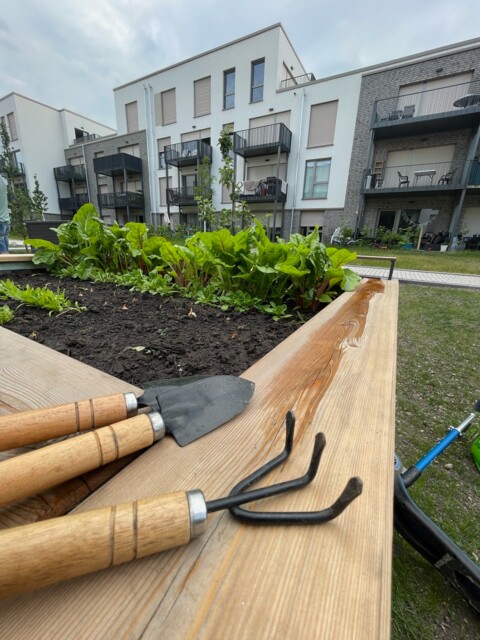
[(293, 134), (39, 135)]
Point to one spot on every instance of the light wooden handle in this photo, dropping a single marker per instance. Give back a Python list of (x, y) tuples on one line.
[(38, 425), (43, 553), (43, 468)]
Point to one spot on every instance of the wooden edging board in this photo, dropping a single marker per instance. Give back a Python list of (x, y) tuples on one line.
[(337, 373)]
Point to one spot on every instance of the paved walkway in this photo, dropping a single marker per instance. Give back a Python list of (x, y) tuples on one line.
[(421, 277)]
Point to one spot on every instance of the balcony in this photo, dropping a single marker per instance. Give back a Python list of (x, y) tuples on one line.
[(294, 82), (448, 108), (183, 196), (70, 173), (117, 164), (121, 200), (413, 179), (261, 141), (87, 138), (267, 190), (17, 168), (185, 154), (73, 203)]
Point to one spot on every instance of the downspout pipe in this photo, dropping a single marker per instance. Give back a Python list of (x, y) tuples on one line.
[(297, 163)]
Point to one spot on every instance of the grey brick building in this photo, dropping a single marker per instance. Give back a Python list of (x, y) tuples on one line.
[(415, 155)]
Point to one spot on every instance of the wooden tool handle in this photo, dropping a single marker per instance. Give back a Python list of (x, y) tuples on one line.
[(35, 471), (43, 553), (38, 425)]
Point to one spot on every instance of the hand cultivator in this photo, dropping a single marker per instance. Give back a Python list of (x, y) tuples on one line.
[(424, 535), (42, 553)]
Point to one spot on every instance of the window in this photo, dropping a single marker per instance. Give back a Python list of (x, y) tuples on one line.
[(131, 111), (258, 73), (317, 174), (12, 125), (161, 144), (202, 97), (322, 124), (229, 89), (169, 106)]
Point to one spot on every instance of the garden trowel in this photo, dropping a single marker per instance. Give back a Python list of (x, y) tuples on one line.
[(188, 408)]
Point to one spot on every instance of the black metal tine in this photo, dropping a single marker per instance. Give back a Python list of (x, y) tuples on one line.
[(238, 495)]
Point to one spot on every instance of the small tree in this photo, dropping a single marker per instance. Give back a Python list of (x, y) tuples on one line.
[(19, 200), (39, 201)]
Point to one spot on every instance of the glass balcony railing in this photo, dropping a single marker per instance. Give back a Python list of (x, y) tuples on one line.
[(456, 99)]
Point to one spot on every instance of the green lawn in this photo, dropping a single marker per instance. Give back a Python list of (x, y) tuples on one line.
[(437, 385), (449, 261)]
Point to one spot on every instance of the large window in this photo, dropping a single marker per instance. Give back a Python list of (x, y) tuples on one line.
[(202, 97), (131, 112), (317, 174), (323, 117), (258, 74), (229, 89)]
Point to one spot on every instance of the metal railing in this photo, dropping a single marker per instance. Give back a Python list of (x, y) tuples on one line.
[(187, 152), (70, 172), (265, 190), (432, 174), (474, 173), (185, 195), (266, 138), (72, 203), (116, 163), (88, 138), (293, 82), (13, 165), (454, 98), (121, 199)]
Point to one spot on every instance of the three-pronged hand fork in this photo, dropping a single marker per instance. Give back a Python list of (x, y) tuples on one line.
[(42, 553)]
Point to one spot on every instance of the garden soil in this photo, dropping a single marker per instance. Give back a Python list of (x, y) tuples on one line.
[(140, 337)]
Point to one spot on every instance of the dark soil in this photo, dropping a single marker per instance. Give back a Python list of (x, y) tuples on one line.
[(139, 337)]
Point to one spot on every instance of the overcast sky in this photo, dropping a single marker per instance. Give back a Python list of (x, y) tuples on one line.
[(72, 53)]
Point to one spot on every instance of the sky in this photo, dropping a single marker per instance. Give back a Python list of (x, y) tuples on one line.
[(72, 53)]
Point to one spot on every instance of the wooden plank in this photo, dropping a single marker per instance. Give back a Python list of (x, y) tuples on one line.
[(337, 373)]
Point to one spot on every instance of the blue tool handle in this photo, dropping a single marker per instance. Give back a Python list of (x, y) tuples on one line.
[(414, 472)]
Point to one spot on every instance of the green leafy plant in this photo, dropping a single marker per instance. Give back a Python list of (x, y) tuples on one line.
[(38, 297), (6, 314)]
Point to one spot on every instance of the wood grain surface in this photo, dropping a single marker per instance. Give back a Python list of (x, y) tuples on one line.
[(332, 581)]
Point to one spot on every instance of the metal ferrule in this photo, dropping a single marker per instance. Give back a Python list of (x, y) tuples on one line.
[(198, 513), (158, 425), (131, 404)]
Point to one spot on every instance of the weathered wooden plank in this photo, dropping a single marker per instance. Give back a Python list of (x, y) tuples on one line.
[(330, 581)]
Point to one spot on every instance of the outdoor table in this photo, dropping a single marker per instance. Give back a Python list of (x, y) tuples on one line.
[(470, 100), (425, 173), (337, 373)]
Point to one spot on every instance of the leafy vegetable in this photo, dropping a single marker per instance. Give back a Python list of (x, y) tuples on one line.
[(38, 297), (6, 314)]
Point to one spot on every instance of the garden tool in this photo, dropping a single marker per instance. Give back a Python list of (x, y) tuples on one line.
[(189, 407), (424, 535), (43, 553)]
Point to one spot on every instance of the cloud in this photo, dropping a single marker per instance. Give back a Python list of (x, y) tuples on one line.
[(73, 54)]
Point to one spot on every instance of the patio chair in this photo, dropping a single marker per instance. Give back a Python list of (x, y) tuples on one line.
[(403, 180), (446, 178), (408, 111), (395, 115)]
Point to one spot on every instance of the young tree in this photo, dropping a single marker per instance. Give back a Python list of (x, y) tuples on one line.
[(39, 201), (19, 200)]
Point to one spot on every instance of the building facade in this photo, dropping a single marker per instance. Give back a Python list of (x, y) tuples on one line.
[(39, 135), (415, 156)]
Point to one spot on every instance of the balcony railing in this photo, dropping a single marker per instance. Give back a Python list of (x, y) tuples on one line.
[(267, 190), (262, 140), (183, 196), (457, 98), (293, 82), (73, 203), (189, 153), (17, 168), (88, 138), (438, 175), (474, 174), (69, 173), (117, 164), (121, 199)]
